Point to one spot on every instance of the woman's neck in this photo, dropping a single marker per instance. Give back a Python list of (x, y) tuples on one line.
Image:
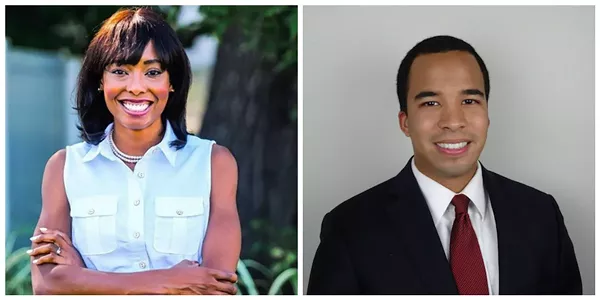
[(137, 142)]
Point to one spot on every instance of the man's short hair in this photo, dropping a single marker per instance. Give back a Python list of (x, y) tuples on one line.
[(436, 44)]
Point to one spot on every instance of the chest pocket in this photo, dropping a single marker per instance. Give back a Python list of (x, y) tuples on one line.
[(179, 224), (94, 224)]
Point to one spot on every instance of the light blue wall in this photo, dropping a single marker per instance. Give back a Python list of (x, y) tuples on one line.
[(35, 129)]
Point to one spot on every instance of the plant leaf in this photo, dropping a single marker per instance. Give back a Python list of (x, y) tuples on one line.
[(10, 242), (17, 257), (284, 277), (246, 279), (294, 282), (259, 267), (20, 278)]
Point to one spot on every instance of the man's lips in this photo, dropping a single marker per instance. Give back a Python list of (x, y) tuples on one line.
[(453, 141), (453, 147)]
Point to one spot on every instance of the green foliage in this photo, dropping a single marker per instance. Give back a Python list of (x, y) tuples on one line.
[(65, 28), (266, 280), (270, 30), (18, 271), (276, 249), (275, 244)]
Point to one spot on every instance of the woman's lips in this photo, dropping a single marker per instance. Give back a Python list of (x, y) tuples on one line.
[(136, 108)]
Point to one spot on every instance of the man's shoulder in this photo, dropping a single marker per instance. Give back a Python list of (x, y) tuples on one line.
[(362, 205), (522, 191)]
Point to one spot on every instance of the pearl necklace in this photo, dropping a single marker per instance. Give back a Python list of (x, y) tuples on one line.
[(122, 156)]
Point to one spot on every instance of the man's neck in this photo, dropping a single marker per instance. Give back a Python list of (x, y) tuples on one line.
[(453, 183)]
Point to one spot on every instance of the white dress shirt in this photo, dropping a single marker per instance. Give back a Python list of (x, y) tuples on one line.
[(149, 218), (439, 200)]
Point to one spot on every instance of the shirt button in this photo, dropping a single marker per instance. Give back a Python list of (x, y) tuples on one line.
[(155, 151), (91, 211), (136, 235), (141, 175), (137, 202), (142, 265), (179, 212)]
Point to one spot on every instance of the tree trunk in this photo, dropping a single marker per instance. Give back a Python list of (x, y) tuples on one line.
[(248, 112)]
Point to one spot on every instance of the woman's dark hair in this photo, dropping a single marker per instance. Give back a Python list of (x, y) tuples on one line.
[(436, 44), (121, 40)]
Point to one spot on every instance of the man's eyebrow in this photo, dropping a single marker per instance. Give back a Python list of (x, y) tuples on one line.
[(472, 92), (424, 94)]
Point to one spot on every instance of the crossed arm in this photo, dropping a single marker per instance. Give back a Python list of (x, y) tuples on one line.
[(221, 248)]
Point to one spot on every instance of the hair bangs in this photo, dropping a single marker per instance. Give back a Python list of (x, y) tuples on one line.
[(125, 43)]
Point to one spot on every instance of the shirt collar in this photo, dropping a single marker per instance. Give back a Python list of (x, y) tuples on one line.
[(104, 147), (438, 197), (164, 145)]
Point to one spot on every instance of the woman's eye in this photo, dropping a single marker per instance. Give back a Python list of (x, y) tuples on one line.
[(154, 73), (118, 72)]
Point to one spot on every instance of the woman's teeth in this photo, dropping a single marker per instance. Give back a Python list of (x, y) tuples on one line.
[(452, 146), (136, 106)]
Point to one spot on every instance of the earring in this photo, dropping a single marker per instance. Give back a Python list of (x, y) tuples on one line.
[(99, 89), (171, 90)]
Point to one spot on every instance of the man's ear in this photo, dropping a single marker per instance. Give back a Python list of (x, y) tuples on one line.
[(403, 121)]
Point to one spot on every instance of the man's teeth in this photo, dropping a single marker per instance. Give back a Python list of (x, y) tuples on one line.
[(136, 106), (452, 146)]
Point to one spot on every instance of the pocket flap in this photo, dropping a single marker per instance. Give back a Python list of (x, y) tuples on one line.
[(179, 206), (94, 206)]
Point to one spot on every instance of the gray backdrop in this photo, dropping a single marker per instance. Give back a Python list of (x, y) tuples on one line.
[(541, 106)]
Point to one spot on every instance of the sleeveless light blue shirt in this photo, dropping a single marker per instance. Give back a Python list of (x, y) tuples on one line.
[(150, 218)]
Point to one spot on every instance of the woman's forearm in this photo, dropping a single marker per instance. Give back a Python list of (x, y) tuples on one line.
[(74, 280), (222, 246)]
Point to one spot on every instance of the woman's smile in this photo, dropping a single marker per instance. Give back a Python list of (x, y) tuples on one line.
[(137, 107)]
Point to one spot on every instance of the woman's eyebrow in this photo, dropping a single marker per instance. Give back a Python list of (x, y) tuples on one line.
[(152, 61)]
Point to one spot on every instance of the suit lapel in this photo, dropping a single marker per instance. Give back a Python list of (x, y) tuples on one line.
[(410, 217), (508, 226)]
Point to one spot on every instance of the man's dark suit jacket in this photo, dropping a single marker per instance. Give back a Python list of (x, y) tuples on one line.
[(383, 241)]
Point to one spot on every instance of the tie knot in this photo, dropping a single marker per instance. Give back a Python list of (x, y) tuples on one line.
[(461, 203)]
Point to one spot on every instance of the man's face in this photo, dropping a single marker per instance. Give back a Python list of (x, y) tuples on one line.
[(447, 117)]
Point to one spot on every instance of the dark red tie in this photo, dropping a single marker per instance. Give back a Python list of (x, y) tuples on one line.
[(465, 256)]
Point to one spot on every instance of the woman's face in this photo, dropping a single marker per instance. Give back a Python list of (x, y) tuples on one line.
[(136, 95)]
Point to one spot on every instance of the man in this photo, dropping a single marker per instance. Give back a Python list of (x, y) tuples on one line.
[(445, 224)]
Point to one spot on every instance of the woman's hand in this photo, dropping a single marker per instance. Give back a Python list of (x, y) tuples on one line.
[(189, 278), (54, 247)]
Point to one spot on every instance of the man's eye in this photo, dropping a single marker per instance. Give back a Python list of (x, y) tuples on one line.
[(430, 103), (469, 101)]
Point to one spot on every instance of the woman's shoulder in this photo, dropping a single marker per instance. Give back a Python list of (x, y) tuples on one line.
[(222, 157), (194, 142), (80, 148), (56, 162), (218, 153)]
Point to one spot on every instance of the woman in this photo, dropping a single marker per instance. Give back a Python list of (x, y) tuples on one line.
[(140, 206)]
